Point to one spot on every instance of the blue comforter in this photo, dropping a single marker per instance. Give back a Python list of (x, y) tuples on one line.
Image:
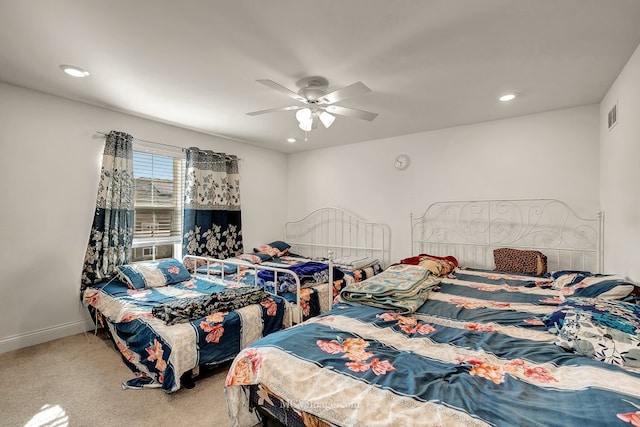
[(476, 353), (159, 353)]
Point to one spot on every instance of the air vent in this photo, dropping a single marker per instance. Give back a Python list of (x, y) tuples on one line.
[(613, 116)]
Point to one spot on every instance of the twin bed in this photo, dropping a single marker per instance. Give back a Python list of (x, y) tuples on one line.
[(170, 318), (547, 341)]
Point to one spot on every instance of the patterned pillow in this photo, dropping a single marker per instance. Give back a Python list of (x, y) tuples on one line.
[(417, 259), (564, 278), (153, 274), (276, 248), (520, 261), (438, 266), (583, 333), (588, 285)]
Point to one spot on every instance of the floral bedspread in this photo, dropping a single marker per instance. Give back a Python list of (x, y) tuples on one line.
[(159, 353), (476, 354)]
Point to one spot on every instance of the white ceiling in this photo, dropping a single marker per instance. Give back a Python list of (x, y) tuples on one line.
[(430, 63)]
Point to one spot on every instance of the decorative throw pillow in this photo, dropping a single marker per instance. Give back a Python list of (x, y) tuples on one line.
[(437, 265), (415, 260), (276, 248), (602, 286), (153, 274), (510, 260), (564, 278)]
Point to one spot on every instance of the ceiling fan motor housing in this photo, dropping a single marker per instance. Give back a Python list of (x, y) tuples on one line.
[(312, 88)]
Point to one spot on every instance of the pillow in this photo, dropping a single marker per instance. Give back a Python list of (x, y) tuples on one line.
[(584, 333), (559, 273), (153, 274), (520, 261), (415, 260), (564, 278), (437, 266), (602, 286), (276, 248)]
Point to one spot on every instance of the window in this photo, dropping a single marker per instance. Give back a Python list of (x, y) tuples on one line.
[(158, 203)]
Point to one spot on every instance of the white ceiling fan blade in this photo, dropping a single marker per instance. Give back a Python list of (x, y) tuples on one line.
[(272, 110), (355, 89), (350, 112), (282, 89)]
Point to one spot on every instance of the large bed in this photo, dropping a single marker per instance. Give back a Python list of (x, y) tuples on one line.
[(487, 348)]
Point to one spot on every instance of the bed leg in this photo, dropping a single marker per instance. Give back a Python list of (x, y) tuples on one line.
[(187, 380)]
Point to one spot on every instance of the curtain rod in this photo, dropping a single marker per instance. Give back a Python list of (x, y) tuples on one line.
[(154, 142), (150, 142)]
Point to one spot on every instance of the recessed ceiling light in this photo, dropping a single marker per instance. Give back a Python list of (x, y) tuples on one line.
[(74, 71), (291, 140), (507, 97)]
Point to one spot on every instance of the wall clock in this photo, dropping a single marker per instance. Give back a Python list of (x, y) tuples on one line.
[(402, 162)]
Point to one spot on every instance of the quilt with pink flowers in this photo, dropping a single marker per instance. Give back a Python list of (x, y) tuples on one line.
[(477, 353), (159, 349)]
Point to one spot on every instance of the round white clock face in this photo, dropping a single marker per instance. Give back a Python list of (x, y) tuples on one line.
[(402, 162)]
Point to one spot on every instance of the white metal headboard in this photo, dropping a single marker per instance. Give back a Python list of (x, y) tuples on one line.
[(471, 230), (343, 233)]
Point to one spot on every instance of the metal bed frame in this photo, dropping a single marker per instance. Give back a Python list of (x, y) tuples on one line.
[(296, 312), (328, 233), (471, 230)]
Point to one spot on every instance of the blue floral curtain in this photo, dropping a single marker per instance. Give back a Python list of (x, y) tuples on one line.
[(112, 230), (212, 224)]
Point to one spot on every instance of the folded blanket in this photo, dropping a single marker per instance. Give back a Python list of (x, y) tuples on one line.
[(401, 287), (194, 308)]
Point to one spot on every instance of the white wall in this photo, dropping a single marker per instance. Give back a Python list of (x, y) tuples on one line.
[(49, 171), (547, 155), (620, 172)]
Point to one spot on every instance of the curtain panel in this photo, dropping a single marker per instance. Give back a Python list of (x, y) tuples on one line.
[(212, 222), (112, 230)]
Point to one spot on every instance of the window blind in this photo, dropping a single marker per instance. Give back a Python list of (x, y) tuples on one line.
[(158, 199)]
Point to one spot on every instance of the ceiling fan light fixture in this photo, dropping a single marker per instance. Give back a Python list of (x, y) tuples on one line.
[(303, 114), (306, 125), (326, 119)]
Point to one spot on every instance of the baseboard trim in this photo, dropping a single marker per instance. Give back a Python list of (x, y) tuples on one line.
[(28, 339)]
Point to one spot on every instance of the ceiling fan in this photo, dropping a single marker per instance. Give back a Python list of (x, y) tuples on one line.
[(316, 103)]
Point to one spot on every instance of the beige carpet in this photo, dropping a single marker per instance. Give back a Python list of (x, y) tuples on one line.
[(76, 381)]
